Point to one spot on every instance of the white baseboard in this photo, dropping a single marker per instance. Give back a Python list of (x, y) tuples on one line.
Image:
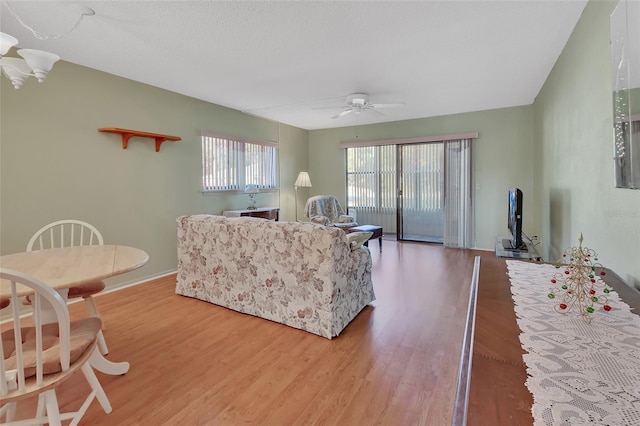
[(111, 289), (128, 284)]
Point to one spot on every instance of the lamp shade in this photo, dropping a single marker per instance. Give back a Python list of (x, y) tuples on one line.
[(251, 189), (303, 180)]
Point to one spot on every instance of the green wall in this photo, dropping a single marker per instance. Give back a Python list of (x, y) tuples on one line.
[(634, 99), (558, 151), (54, 164), (502, 158), (574, 150)]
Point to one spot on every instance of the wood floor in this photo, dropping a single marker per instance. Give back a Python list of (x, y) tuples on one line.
[(194, 363)]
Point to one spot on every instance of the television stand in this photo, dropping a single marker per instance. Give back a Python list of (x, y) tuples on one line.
[(506, 245), (530, 253)]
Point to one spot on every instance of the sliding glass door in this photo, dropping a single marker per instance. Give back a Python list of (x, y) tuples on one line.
[(419, 191), (420, 194), (371, 185)]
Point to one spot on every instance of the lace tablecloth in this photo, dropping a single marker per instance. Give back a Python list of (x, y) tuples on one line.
[(579, 373)]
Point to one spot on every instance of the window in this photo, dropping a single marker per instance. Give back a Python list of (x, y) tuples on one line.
[(230, 163), (371, 178)]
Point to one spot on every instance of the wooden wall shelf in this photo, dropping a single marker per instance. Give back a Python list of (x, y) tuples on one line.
[(128, 134)]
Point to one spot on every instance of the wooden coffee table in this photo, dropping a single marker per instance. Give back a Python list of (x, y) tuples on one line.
[(377, 233)]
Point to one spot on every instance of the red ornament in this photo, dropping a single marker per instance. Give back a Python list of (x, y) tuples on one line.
[(563, 306), (553, 281), (592, 280), (606, 307), (592, 292), (566, 272), (602, 273)]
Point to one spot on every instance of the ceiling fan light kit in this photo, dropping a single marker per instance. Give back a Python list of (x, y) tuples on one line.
[(357, 103), (358, 99)]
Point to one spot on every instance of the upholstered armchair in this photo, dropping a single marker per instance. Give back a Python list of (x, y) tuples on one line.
[(326, 210)]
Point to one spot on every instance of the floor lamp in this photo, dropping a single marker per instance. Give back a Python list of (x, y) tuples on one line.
[(303, 181)]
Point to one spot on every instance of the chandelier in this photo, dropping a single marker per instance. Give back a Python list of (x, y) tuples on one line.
[(36, 63)]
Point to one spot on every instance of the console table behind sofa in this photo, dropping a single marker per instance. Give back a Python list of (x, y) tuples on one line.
[(271, 213)]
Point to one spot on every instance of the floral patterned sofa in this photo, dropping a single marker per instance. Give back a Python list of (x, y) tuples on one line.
[(300, 274)]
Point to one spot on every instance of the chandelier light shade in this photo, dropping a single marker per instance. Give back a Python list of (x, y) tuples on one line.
[(39, 61), (304, 181), (35, 63), (16, 70), (6, 43)]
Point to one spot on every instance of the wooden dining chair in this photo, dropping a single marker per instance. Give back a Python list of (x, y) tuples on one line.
[(69, 233), (41, 351)]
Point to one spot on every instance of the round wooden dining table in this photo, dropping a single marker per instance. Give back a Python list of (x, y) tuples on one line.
[(66, 267)]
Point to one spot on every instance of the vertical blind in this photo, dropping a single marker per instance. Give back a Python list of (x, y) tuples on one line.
[(372, 185), (260, 165), (371, 178), (458, 207), (421, 177), (229, 164)]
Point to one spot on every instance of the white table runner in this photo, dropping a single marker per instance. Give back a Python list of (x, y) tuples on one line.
[(579, 373)]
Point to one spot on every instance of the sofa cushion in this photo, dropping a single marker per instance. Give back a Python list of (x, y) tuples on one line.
[(321, 220), (357, 239), (345, 219)]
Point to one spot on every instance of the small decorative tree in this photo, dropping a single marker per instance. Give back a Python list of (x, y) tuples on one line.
[(576, 287)]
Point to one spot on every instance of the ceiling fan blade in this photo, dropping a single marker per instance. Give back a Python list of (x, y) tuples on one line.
[(331, 107), (375, 110), (288, 104), (393, 105), (343, 113)]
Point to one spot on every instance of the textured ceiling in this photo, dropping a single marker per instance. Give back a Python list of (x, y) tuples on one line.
[(281, 60)]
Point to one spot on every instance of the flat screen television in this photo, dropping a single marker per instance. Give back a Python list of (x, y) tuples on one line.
[(514, 221)]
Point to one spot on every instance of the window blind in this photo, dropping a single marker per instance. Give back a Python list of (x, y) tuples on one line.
[(229, 164)]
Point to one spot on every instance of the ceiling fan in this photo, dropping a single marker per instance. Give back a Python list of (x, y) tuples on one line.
[(357, 103)]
